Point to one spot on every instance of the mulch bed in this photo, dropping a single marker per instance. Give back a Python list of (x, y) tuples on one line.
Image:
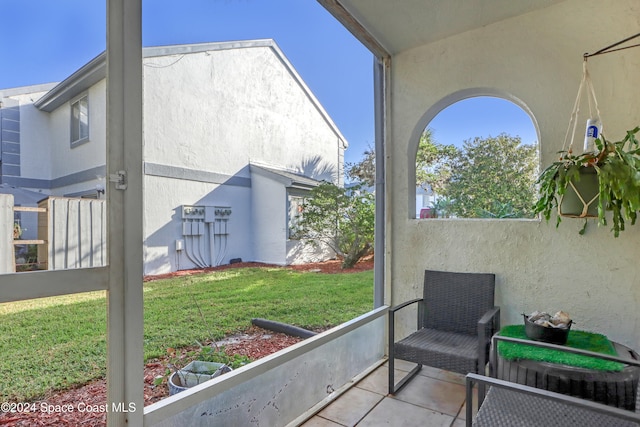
[(255, 343)]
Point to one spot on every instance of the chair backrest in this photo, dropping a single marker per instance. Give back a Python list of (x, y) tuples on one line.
[(454, 302)]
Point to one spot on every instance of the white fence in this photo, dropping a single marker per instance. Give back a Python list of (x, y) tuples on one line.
[(72, 233), (7, 260), (75, 231)]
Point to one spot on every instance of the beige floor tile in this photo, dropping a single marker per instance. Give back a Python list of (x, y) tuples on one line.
[(428, 371), (440, 374), (459, 423), (351, 407), (378, 380), (391, 412), (402, 365), (463, 412), (318, 421), (430, 393)]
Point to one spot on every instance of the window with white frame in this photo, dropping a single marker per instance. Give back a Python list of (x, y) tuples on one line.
[(294, 213), (80, 121)]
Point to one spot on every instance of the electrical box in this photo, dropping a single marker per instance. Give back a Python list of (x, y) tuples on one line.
[(216, 212), (179, 245), (186, 229), (193, 212)]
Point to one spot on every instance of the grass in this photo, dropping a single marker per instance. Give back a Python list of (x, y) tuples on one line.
[(55, 343), (577, 339)]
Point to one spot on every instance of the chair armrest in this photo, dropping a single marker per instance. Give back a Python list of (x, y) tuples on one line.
[(404, 304), (493, 316), (550, 395), (392, 312), (489, 315)]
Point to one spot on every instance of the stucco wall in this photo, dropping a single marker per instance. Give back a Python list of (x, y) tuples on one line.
[(67, 160), (536, 61), (228, 107), (207, 115), (269, 219), (213, 113), (163, 200), (35, 147)]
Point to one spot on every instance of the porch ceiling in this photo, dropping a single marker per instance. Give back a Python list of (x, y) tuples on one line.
[(402, 25)]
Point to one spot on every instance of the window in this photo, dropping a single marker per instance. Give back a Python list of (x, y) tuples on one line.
[(79, 121), (294, 212)]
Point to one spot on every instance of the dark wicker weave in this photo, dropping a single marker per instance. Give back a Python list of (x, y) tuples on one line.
[(511, 404), (456, 319)]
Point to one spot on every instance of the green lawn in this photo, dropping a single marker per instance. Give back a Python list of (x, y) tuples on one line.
[(55, 343)]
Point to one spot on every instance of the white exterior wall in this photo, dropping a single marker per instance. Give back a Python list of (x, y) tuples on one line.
[(207, 115), (269, 213), (163, 200), (92, 154), (35, 142), (536, 58), (228, 107), (215, 112)]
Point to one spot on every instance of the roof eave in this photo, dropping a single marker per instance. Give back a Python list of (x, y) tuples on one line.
[(87, 76)]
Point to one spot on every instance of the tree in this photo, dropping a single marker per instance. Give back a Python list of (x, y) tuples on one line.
[(433, 163), (365, 170), (343, 219), (494, 178)]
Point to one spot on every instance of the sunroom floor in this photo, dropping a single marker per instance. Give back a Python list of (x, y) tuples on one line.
[(432, 398)]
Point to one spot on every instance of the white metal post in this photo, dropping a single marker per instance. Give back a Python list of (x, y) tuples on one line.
[(125, 374)]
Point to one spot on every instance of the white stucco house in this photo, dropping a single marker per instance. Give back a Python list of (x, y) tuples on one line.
[(233, 139)]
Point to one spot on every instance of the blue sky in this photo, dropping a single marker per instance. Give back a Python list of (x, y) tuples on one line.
[(44, 41)]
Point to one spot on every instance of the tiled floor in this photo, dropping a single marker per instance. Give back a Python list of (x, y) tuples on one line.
[(432, 398)]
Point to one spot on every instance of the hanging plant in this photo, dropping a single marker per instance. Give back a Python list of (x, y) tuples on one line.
[(617, 168), (604, 178)]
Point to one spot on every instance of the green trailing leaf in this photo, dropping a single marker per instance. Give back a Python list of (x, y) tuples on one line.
[(618, 167)]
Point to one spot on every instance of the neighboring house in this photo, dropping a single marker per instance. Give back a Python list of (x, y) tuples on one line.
[(233, 139)]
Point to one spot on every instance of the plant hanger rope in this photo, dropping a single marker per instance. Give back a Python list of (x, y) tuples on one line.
[(585, 83), (591, 96)]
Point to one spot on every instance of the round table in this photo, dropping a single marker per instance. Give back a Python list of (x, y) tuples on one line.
[(611, 388)]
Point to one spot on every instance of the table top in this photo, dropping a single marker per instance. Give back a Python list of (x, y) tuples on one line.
[(577, 339)]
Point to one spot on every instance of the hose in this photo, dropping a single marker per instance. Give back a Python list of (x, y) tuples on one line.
[(283, 327)]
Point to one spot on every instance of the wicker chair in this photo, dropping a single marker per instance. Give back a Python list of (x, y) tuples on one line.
[(510, 404), (456, 319)]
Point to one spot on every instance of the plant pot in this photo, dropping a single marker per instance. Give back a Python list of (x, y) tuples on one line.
[(547, 334), (581, 198), (195, 373), (175, 386)]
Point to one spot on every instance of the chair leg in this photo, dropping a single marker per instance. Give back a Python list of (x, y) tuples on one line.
[(391, 374), (393, 389), (482, 387)]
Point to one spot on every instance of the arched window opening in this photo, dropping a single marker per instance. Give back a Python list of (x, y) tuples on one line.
[(477, 158)]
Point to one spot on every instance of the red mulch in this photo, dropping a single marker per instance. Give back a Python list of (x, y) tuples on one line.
[(87, 402), (329, 267)]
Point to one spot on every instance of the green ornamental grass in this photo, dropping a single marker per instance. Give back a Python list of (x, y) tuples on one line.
[(578, 339)]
